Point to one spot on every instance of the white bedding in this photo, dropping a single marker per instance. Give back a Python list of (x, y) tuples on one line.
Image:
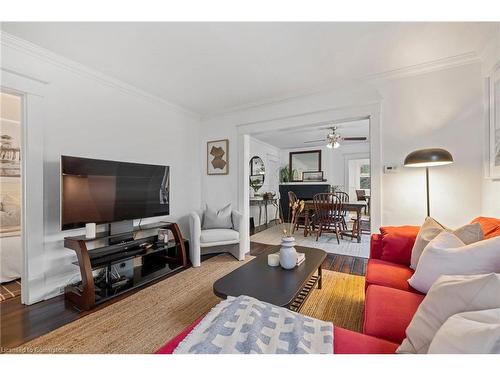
[(10, 234), (10, 257)]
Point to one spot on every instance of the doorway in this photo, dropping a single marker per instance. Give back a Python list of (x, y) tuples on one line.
[(371, 112), (326, 157), (11, 199)]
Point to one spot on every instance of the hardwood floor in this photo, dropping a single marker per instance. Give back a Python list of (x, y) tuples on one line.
[(21, 323), (333, 262)]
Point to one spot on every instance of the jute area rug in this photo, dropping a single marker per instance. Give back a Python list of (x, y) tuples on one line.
[(146, 320)]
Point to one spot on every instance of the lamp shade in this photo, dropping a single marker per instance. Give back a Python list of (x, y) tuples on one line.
[(428, 157)]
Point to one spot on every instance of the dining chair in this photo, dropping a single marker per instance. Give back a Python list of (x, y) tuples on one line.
[(303, 220), (344, 198), (361, 196), (328, 213)]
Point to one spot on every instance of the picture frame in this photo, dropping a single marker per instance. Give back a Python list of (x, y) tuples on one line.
[(494, 125), (218, 157), (308, 176), (303, 161)]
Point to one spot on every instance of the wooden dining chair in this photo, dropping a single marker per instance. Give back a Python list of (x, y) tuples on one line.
[(344, 198), (361, 196), (302, 219), (328, 213)]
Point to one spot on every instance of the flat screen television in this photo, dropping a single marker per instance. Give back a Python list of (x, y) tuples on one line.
[(104, 191)]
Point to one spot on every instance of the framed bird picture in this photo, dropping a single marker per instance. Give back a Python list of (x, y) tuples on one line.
[(218, 157)]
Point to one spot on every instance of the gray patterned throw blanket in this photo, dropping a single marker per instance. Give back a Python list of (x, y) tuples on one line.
[(245, 325)]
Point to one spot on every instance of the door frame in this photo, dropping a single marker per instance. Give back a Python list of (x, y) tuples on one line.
[(32, 92), (297, 121), (347, 159)]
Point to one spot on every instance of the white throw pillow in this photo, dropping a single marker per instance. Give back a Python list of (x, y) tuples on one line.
[(220, 219), (448, 296), (469, 233), (474, 332), (448, 255)]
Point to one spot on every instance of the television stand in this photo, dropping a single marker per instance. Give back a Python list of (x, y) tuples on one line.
[(156, 261)]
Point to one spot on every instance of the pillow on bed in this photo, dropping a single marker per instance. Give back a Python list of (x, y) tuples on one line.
[(9, 204), (10, 219), (10, 212)]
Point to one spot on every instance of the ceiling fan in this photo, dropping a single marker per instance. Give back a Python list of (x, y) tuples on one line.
[(333, 139)]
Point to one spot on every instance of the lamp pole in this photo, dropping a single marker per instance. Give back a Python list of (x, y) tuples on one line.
[(427, 183)]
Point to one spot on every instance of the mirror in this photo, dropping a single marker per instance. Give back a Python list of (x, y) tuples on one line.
[(257, 173), (304, 161)]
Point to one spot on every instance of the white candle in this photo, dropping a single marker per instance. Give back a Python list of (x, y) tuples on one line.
[(273, 260)]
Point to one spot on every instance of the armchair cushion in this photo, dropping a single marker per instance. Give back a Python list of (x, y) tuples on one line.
[(218, 235), (220, 219)]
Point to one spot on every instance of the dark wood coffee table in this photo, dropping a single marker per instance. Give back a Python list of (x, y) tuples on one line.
[(285, 288)]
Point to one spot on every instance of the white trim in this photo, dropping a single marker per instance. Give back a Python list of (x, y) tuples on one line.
[(426, 67), (32, 49), (32, 223)]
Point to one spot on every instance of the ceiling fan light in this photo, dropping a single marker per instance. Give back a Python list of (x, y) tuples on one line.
[(336, 144), (329, 145)]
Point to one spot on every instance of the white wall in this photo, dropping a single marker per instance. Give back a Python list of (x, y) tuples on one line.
[(217, 190), (332, 160), (438, 109), (441, 108), (87, 116)]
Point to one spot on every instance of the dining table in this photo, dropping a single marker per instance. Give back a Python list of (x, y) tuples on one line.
[(356, 207)]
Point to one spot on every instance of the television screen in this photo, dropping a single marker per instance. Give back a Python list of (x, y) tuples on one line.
[(103, 191)]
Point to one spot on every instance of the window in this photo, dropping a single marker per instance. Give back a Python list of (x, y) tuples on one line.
[(364, 176)]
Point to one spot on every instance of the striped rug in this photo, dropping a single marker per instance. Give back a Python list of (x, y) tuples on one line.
[(10, 289)]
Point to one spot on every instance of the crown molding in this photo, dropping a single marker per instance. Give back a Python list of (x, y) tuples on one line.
[(424, 68), (32, 49), (19, 44), (372, 79)]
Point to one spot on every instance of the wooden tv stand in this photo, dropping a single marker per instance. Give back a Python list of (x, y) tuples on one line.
[(157, 261)]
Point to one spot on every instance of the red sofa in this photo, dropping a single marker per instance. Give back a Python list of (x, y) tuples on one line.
[(390, 302)]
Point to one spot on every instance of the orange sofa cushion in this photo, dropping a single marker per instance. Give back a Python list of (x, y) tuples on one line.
[(490, 226)]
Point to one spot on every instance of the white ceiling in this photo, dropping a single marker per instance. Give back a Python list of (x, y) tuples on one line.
[(295, 138), (212, 67)]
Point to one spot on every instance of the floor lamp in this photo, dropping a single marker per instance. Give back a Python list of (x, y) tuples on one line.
[(428, 157)]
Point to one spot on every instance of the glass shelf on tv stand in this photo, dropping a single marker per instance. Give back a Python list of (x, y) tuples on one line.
[(118, 257), (107, 235)]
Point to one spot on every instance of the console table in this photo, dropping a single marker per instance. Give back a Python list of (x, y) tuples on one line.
[(158, 260), (261, 202)]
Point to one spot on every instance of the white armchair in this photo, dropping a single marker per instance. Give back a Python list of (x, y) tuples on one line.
[(209, 241)]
